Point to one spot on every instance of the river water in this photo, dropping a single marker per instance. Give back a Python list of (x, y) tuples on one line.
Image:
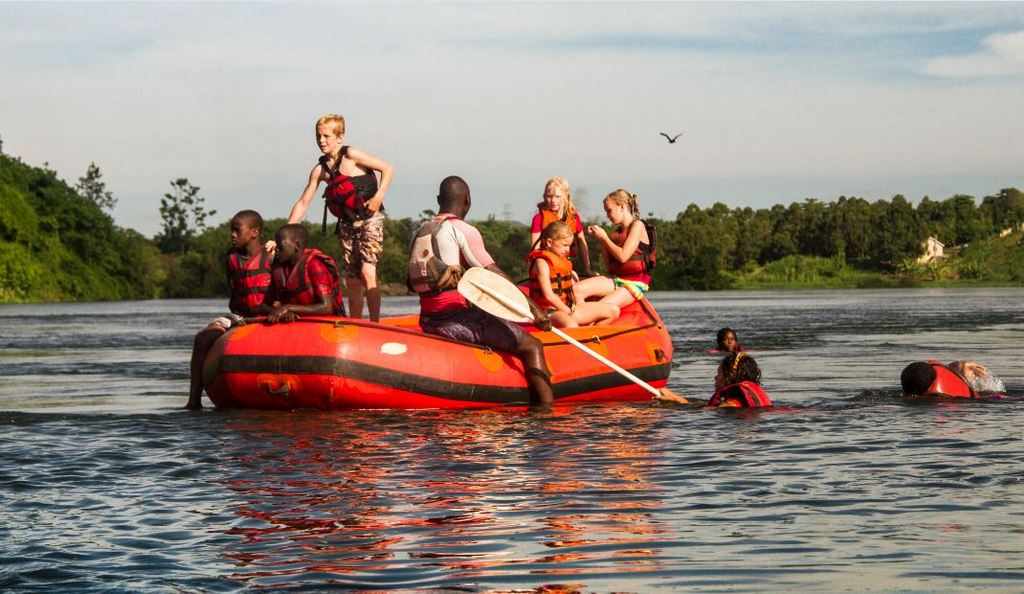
[(107, 485)]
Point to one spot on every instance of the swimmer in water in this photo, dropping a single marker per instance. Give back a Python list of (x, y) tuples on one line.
[(737, 385), (959, 379), (727, 342)]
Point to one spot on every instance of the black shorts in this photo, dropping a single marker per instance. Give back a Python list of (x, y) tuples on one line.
[(476, 326)]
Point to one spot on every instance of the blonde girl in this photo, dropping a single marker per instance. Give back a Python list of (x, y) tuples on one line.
[(552, 282), (627, 252), (557, 206)]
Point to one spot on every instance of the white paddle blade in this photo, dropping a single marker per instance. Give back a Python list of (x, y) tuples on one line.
[(495, 294)]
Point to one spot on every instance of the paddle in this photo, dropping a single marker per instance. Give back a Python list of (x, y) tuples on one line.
[(497, 296)]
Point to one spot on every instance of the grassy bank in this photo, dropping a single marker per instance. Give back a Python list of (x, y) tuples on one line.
[(997, 261)]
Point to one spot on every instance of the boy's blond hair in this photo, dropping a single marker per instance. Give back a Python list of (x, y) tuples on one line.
[(335, 121)]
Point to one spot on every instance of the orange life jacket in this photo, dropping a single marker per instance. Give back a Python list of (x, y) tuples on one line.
[(948, 383), (748, 394), (549, 216), (248, 282), (296, 287), (643, 259), (560, 277)]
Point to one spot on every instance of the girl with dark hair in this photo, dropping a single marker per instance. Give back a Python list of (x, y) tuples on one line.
[(738, 383), (727, 341)]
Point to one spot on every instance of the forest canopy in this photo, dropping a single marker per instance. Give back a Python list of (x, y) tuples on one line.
[(57, 242)]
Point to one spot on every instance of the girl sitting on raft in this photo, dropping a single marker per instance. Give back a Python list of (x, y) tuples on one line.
[(628, 253), (737, 385), (557, 206), (552, 280)]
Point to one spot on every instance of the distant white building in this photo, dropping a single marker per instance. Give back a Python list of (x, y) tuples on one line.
[(933, 250), (1009, 230)]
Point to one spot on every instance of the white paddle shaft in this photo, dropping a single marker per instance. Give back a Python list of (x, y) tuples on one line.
[(519, 311)]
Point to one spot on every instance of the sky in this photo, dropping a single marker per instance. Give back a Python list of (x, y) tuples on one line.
[(776, 102)]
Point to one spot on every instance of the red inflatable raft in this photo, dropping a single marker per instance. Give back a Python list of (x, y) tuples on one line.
[(336, 363)]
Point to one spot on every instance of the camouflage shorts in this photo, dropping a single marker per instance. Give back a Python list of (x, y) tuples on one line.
[(362, 242)]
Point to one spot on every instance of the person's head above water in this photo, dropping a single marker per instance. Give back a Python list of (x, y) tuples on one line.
[(453, 196), (738, 383), (931, 378), (727, 340), (736, 368)]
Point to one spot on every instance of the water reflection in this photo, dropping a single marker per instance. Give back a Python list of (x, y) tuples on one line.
[(464, 497)]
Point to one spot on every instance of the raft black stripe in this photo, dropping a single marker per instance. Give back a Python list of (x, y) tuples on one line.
[(430, 386)]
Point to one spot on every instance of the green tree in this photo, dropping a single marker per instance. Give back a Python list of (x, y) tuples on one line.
[(92, 186), (184, 216)]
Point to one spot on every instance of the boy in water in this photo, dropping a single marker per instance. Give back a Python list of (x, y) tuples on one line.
[(354, 196), (248, 267), (959, 379)]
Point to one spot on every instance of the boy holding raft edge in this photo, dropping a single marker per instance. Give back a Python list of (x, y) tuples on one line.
[(248, 267), (304, 281), (440, 250)]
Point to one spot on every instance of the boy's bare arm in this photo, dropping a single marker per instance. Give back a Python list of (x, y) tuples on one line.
[(289, 312), (302, 204)]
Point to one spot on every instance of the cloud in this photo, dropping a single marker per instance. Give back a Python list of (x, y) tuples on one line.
[(1003, 55), (509, 94)]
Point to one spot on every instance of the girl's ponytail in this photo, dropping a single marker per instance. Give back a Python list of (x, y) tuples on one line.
[(634, 205)]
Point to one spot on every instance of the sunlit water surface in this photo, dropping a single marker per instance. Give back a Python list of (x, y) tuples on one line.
[(107, 485)]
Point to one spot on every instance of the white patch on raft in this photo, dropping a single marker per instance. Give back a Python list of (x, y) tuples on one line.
[(393, 348)]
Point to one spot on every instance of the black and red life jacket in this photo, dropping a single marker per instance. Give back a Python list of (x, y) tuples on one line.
[(560, 276), (345, 197), (295, 286), (643, 260), (248, 280), (948, 383), (748, 394)]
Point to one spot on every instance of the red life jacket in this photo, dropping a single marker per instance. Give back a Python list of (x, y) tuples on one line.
[(560, 276), (294, 285), (346, 196), (748, 394), (643, 259), (948, 383), (248, 282)]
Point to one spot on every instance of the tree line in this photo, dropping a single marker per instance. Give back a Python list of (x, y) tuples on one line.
[(885, 235), (59, 242)]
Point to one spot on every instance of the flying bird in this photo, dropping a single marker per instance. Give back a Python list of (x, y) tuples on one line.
[(671, 139)]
